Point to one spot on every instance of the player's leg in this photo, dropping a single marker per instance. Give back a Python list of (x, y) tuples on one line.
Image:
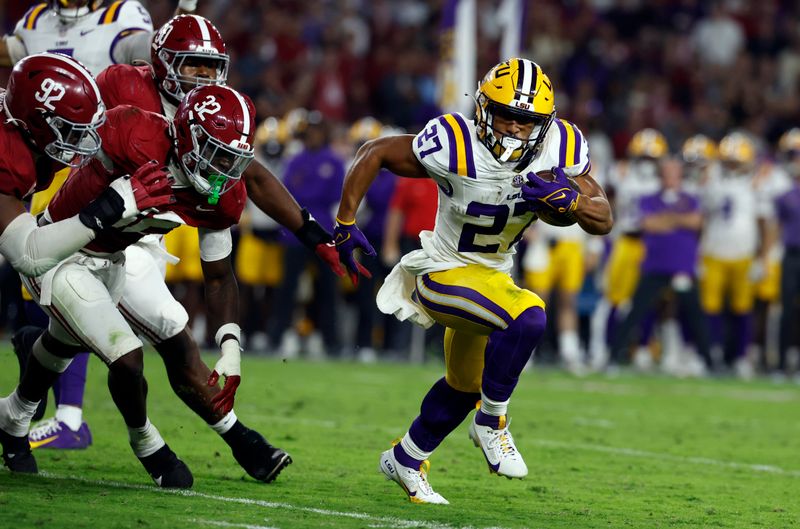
[(480, 300), (742, 291), (644, 299), (445, 406), (164, 324), (713, 281), (85, 294), (569, 259), (49, 358)]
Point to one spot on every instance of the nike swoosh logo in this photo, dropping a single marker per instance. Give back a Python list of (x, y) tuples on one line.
[(560, 196), (86, 31), (201, 208), (340, 239), (37, 444)]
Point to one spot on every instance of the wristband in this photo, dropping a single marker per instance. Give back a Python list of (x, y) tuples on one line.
[(311, 233), (187, 5), (229, 329)]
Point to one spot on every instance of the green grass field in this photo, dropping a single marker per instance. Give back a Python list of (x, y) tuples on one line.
[(625, 452)]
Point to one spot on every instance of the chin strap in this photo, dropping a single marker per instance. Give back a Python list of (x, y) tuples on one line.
[(511, 145)]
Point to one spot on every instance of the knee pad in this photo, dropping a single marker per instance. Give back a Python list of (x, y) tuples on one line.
[(52, 354)]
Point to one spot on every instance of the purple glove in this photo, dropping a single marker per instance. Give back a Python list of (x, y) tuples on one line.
[(558, 194), (348, 239)]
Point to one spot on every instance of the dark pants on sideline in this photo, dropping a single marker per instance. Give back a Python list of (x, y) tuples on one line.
[(650, 288), (295, 261), (790, 295)]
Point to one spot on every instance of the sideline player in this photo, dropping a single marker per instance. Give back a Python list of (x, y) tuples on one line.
[(488, 194), (204, 153), (97, 33)]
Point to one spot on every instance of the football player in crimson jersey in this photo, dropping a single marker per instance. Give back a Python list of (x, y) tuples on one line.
[(51, 113), (97, 33), (205, 156)]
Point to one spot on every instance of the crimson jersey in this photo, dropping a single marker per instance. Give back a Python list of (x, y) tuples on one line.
[(123, 84), (132, 137), (21, 174)]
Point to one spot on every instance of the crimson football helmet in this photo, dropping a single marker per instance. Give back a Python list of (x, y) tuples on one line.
[(187, 41), (55, 100), (70, 10), (214, 131)]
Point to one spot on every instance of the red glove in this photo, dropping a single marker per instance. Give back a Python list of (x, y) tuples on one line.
[(328, 253), (152, 186), (228, 365)]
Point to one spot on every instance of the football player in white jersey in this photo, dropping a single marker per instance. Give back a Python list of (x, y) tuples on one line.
[(632, 179), (733, 245), (98, 33), (488, 194)]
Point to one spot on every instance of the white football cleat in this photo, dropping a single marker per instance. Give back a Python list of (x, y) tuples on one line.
[(498, 447), (414, 482)]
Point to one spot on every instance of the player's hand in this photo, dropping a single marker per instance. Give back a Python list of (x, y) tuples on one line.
[(230, 366), (348, 239), (326, 251), (152, 187), (757, 270), (557, 194)]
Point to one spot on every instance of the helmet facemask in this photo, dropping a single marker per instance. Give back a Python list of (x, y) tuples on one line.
[(212, 166), (74, 144), (68, 14), (506, 147), (174, 61)]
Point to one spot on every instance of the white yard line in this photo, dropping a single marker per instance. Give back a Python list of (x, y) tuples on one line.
[(220, 523), (373, 521), (659, 456)]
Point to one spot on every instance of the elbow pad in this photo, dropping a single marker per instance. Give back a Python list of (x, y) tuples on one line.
[(33, 250)]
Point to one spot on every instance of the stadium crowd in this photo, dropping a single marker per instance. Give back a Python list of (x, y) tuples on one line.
[(640, 78)]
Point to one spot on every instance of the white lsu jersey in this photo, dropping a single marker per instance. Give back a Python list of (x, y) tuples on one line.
[(92, 39), (732, 204), (481, 213), (631, 181)]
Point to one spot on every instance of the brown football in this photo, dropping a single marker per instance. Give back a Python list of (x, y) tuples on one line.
[(553, 217)]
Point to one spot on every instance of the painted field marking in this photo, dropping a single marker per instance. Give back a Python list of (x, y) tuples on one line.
[(659, 456), (220, 523), (374, 521)]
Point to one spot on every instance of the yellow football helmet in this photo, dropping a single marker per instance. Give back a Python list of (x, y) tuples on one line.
[(790, 142), (271, 136), (699, 149), (737, 148), (364, 130), (517, 90), (648, 143)]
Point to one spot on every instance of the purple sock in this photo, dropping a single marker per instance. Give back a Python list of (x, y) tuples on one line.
[(743, 334), (492, 421), (715, 324), (647, 327), (70, 386), (405, 459), (508, 351), (611, 325), (442, 410)]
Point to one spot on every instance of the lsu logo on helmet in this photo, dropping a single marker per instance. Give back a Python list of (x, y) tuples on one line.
[(699, 149), (737, 148), (648, 143), (514, 90)]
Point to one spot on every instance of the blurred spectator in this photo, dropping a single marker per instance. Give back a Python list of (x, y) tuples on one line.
[(671, 222), (718, 38), (314, 177)]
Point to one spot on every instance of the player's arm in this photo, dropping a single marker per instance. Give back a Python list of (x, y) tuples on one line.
[(222, 295), (186, 7), (12, 50), (271, 196), (32, 250), (594, 210), (394, 153)]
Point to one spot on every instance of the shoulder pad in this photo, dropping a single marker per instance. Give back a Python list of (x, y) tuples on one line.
[(445, 146), (570, 149)]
